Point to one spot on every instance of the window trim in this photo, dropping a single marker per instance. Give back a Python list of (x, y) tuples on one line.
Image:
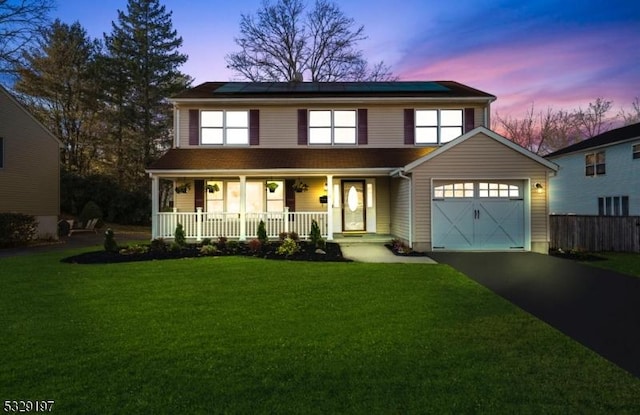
[(438, 126), (225, 128), (333, 128), (635, 151)]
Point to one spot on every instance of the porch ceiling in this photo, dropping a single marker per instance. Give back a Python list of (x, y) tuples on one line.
[(328, 160)]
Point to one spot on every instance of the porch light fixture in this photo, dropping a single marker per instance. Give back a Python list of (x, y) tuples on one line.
[(538, 187)]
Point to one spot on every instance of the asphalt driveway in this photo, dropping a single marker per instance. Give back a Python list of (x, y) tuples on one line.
[(596, 307)]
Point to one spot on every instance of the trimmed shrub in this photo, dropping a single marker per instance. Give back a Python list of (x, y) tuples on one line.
[(222, 243), (262, 233), (91, 211), (179, 236), (158, 245), (315, 236), (288, 247), (17, 229), (255, 245), (208, 250), (110, 244)]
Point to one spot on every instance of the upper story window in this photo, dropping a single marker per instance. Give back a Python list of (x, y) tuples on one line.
[(595, 164), (636, 151), (438, 126), (224, 127), (332, 127)]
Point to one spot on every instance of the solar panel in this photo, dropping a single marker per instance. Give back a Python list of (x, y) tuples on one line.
[(328, 87)]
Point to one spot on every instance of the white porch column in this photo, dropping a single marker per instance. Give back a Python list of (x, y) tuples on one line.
[(243, 208), (330, 207), (155, 205)]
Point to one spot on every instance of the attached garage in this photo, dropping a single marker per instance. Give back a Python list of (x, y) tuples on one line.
[(478, 215), (479, 192)]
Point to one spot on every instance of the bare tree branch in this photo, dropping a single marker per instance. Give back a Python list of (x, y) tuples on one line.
[(282, 42)]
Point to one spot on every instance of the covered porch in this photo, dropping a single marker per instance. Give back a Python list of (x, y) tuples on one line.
[(233, 206)]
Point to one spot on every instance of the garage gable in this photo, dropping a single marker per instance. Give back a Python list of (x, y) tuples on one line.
[(482, 146)]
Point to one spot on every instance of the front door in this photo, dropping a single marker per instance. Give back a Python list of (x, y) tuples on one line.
[(353, 211)]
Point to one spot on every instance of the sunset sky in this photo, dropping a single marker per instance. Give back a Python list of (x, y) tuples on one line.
[(559, 54)]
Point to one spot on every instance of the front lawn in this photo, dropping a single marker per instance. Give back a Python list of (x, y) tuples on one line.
[(623, 262), (245, 335)]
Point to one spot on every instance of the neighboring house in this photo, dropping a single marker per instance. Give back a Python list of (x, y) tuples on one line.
[(598, 176), (407, 160), (29, 166)]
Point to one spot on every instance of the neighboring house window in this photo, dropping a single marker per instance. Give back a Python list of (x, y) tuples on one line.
[(636, 151), (224, 127), (613, 206), (438, 126), (595, 164), (332, 127)]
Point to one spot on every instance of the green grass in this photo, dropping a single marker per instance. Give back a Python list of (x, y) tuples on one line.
[(623, 262), (242, 335)]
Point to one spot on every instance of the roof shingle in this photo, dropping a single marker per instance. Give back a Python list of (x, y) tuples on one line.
[(287, 158)]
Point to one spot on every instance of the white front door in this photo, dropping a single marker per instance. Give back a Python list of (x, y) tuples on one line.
[(484, 215), (353, 207)]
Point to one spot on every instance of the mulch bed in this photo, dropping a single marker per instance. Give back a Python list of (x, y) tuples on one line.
[(307, 252), (576, 255), (404, 252)]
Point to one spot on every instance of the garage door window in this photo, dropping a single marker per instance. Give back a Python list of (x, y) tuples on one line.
[(453, 190), (498, 190)]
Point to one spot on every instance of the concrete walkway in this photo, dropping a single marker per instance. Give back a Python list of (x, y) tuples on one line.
[(377, 252), (596, 307)]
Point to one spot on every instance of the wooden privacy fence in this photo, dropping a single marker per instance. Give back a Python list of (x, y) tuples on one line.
[(595, 233)]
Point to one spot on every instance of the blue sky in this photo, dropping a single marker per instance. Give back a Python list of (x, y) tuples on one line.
[(559, 54)]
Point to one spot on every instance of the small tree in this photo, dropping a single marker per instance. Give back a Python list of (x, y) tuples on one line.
[(262, 233), (179, 236), (315, 236)]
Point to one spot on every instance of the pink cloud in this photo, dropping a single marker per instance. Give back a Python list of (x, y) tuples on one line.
[(566, 73)]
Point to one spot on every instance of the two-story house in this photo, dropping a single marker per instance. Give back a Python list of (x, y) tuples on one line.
[(408, 160), (29, 166), (599, 176)]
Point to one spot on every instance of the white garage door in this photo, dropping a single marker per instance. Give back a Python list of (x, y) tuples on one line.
[(482, 215)]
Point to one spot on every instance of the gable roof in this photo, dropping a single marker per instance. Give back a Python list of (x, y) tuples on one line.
[(618, 135), (490, 134), (225, 160), (15, 102), (273, 90)]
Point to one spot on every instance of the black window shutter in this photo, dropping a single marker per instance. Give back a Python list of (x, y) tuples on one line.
[(254, 127), (409, 126), (469, 119), (302, 128), (194, 127), (198, 193), (363, 135)]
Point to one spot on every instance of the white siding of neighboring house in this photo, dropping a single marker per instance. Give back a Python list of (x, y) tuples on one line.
[(573, 192)]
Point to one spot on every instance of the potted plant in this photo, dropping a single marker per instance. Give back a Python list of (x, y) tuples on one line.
[(272, 186), (300, 186), (183, 188), (212, 188)]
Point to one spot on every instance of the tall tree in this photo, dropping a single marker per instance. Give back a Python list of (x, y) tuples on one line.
[(58, 80), (141, 70), (20, 23), (282, 42), (633, 116), (593, 120)]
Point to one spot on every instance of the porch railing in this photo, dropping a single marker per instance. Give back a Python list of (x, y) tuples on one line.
[(199, 225)]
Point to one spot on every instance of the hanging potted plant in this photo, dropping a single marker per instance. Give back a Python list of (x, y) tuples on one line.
[(183, 188), (272, 186), (212, 188), (300, 186)]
